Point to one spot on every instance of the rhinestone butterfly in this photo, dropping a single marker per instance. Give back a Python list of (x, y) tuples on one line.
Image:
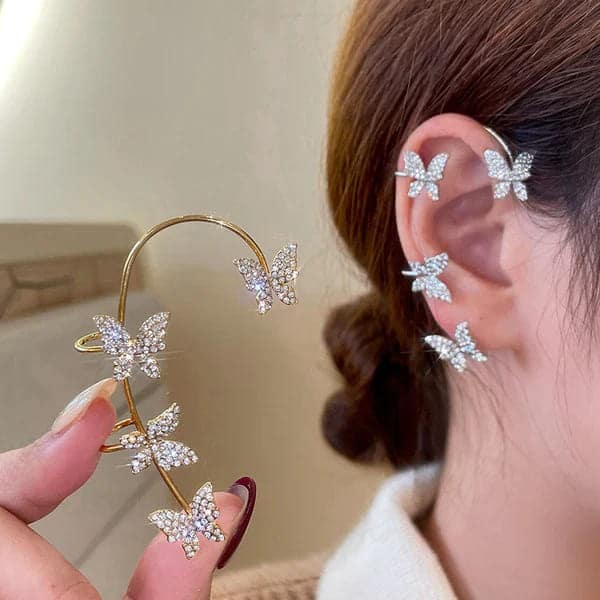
[(423, 178), (456, 351), (498, 168), (167, 453), (284, 271), (426, 277), (129, 351), (187, 526)]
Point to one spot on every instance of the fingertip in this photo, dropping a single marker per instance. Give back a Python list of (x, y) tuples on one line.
[(44, 473)]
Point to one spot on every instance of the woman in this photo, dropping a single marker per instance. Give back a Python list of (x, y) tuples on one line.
[(498, 495), (515, 510)]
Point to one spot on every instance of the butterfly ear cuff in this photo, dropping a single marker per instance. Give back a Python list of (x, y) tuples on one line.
[(456, 351), (426, 178), (426, 277), (508, 172), (149, 443)]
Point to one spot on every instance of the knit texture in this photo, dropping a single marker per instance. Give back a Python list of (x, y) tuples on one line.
[(293, 580)]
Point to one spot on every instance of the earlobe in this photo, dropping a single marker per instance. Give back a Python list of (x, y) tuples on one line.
[(466, 223)]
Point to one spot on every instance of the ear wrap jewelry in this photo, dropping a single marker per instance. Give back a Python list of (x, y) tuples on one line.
[(508, 173), (197, 518), (426, 277), (456, 351), (423, 178)]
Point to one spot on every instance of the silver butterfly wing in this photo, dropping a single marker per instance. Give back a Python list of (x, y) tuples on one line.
[(169, 522), (151, 340), (436, 265), (497, 165), (114, 336), (522, 166), (116, 342), (432, 190), (136, 440), (170, 454), (178, 527), (447, 350), (191, 545), (257, 282), (413, 165), (419, 284), (501, 189), (415, 188), (165, 423), (466, 342), (205, 514), (435, 169), (284, 271), (141, 460), (520, 190), (437, 289)]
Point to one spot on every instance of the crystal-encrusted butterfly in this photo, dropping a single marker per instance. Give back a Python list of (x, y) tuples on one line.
[(499, 169), (423, 178), (129, 351), (284, 271), (167, 453), (426, 277), (456, 351), (186, 527)]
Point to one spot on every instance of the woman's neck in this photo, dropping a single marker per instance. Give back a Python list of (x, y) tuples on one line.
[(518, 509)]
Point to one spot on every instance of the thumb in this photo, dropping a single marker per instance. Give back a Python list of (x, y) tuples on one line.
[(164, 573)]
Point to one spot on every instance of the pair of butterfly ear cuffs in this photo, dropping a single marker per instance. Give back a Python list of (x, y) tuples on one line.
[(199, 518), (507, 173)]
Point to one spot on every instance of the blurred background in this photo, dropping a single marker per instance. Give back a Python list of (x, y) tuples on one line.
[(114, 116)]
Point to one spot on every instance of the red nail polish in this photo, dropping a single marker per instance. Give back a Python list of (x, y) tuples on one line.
[(245, 488)]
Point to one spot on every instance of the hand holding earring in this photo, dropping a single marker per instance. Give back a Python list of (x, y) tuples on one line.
[(198, 518)]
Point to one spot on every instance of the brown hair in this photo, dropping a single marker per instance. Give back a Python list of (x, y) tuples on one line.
[(530, 70)]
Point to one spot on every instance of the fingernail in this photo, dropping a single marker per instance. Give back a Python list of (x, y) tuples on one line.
[(244, 488), (77, 407)]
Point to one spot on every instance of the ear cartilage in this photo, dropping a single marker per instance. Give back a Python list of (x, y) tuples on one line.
[(424, 178), (456, 352), (508, 172), (426, 277), (198, 518)]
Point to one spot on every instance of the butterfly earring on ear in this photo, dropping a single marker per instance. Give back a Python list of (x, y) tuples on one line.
[(508, 173), (198, 518), (426, 277), (423, 177), (456, 352)]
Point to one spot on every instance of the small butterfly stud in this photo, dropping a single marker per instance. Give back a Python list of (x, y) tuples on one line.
[(426, 277), (129, 351), (423, 178), (187, 526), (456, 351), (167, 453), (506, 175), (284, 271)]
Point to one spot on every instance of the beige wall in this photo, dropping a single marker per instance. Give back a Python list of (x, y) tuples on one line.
[(135, 111)]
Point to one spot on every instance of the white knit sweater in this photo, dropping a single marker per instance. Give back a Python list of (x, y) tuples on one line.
[(385, 557)]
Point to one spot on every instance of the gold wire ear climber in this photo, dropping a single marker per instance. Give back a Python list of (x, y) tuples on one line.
[(199, 517)]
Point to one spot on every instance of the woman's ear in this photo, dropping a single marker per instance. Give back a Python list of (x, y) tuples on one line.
[(482, 236)]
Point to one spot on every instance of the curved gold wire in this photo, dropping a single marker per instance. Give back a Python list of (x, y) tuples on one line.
[(80, 344)]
